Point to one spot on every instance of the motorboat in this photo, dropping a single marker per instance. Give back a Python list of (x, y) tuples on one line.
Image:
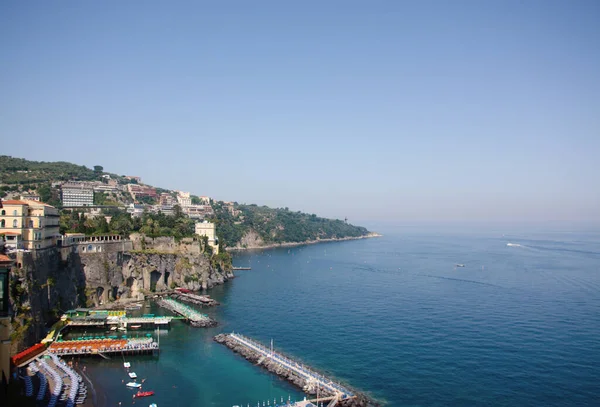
[(153, 405), (126, 364), (144, 393), (135, 326), (132, 375), (133, 385)]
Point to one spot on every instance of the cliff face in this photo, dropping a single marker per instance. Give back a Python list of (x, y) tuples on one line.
[(44, 284)]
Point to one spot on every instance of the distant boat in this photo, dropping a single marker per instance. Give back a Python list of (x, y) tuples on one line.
[(460, 265), (133, 385), (126, 364), (132, 375), (135, 326), (122, 328), (113, 328), (153, 405)]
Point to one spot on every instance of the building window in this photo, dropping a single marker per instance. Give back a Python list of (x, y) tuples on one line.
[(15, 212), (30, 223), (14, 223), (3, 212), (2, 223)]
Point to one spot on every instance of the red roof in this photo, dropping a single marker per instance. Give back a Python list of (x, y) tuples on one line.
[(4, 257), (24, 202), (14, 202)]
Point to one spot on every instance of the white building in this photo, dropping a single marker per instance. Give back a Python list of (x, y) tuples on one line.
[(77, 194), (208, 229), (136, 209), (184, 199)]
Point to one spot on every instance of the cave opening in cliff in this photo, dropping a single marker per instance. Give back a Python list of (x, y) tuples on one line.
[(167, 274), (129, 282), (99, 292), (154, 278)]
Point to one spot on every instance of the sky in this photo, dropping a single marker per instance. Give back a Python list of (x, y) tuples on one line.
[(371, 110)]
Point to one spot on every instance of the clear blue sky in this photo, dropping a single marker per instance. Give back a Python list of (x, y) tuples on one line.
[(421, 110)]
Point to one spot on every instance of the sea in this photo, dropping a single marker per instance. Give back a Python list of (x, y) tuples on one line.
[(421, 316)]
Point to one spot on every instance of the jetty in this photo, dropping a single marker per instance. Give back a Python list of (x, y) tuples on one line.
[(194, 317), (203, 300), (307, 379)]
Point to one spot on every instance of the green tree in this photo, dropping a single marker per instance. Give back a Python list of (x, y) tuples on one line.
[(98, 169)]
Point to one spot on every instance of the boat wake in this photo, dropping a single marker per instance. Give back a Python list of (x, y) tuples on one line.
[(514, 245)]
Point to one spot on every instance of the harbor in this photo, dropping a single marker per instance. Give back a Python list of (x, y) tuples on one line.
[(325, 389)]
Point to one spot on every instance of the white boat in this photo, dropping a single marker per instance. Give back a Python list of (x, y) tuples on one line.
[(126, 364), (122, 329), (113, 328), (132, 375), (153, 405), (133, 384)]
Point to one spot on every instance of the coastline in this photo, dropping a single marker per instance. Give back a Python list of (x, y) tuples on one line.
[(307, 242)]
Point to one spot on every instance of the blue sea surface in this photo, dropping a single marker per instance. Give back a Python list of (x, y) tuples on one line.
[(518, 325)]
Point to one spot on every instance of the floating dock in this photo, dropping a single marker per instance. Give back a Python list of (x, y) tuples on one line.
[(302, 376), (203, 300), (195, 318)]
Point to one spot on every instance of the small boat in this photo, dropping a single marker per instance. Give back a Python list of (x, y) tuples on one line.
[(153, 405), (133, 385), (122, 328), (132, 375), (126, 364), (144, 393), (135, 326), (113, 328), (460, 265)]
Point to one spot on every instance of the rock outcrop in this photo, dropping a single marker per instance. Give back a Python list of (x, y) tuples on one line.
[(45, 283)]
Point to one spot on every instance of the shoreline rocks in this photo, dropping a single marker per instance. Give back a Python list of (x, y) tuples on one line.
[(295, 244)]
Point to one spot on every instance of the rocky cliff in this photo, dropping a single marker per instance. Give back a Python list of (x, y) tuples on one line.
[(44, 284)]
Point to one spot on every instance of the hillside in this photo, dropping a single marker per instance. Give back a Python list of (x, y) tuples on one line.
[(238, 225), (251, 225), (21, 171)]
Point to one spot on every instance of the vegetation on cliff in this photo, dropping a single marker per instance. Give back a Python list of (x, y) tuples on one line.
[(279, 225), (150, 224)]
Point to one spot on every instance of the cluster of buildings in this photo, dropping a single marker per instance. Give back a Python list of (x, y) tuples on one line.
[(34, 225), (166, 204)]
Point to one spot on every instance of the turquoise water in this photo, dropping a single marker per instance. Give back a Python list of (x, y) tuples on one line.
[(518, 325)]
